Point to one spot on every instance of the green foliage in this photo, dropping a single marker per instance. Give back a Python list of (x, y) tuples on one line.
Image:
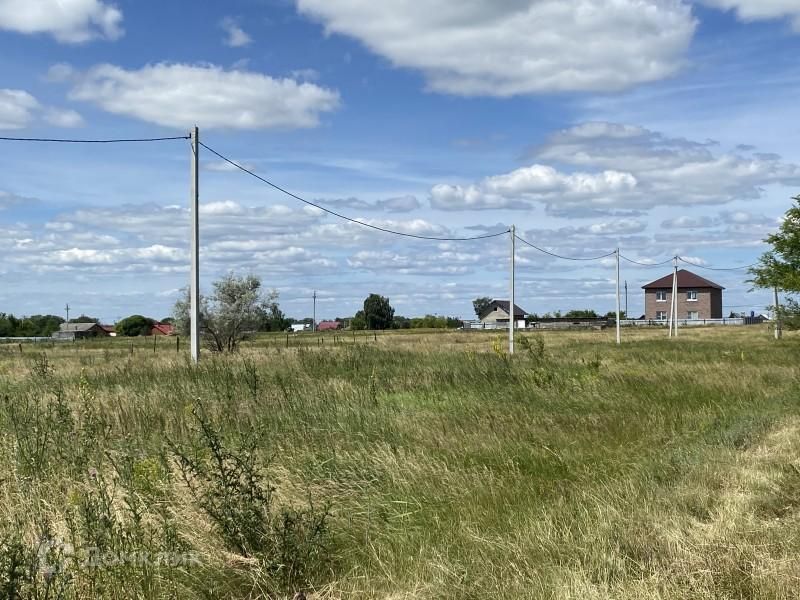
[(229, 486), (33, 326), (84, 319), (780, 266), (237, 307), (481, 305), (359, 321), (134, 325), (586, 313), (378, 313), (271, 318), (435, 322)]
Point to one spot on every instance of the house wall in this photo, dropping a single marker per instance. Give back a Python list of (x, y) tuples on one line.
[(497, 315), (708, 304)]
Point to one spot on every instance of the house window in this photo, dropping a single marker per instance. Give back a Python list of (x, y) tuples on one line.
[(661, 315), (691, 296), (661, 295), (693, 315)]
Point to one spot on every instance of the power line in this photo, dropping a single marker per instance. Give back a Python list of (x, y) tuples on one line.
[(688, 262), (559, 255), (346, 218), (643, 264), (100, 141)]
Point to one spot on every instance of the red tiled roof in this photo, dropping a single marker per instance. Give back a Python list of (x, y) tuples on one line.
[(686, 279), (327, 325), (164, 328)]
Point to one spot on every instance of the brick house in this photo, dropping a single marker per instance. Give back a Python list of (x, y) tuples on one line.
[(698, 298)]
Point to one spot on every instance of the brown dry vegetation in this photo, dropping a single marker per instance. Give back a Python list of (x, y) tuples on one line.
[(440, 467)]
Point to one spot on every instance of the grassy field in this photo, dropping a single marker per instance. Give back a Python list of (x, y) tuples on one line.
[(414, 465)]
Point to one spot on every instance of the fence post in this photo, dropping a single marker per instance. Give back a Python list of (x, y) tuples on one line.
[(177, 343)]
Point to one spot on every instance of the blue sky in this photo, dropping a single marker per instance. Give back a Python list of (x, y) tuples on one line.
[(663, 127)]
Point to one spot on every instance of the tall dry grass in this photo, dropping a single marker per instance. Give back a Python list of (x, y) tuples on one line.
[(441, 468)]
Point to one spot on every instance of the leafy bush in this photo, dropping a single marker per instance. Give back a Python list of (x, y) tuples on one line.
[(228, 485), (134, 325)]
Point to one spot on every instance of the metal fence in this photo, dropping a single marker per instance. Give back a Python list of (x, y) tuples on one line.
[(691, 322)]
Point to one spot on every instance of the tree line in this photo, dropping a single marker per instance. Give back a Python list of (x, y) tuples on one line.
[(35, 325)]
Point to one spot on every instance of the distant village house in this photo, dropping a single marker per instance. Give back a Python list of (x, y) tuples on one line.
[(698, 298), (497, 313), (77, 331), (328, 326)]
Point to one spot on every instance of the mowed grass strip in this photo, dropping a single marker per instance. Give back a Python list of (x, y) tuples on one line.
[(658, 469)]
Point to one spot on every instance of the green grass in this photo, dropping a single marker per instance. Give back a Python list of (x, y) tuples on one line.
[(659, 469)]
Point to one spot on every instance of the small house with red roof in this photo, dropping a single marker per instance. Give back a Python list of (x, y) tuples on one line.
[(698, 298), (328, 326), (161, 329)]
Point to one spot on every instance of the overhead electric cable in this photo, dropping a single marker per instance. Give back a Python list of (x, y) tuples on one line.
[(688, 262), (643, 264), (559, 255), (100, 141), (346, 218)]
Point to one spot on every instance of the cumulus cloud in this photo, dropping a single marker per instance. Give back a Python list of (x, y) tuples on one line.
[(485, 47), (180, 95), (69, 21), (758, 10), (397, 204), (7, 200), (442, 263), (18, 109), (235, 35), (66, 118), (686, 222), (622, 167)]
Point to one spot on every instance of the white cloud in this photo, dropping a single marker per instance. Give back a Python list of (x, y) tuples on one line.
[(7, 200), (181, 95), (622, 167), (226, 207), (236, 36), (66, 118), (59, 72), (222, 166), (70, 21), (18, 109), (758, 10), (686, 222), (486, 47), (443, 263), (398, 204), (537, 182)]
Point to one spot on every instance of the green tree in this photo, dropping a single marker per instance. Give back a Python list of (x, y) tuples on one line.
[(84, 319), (134, 325), (480, 305), (236, 307), (271, 318), (378, 313), (586, 313), (779, 267), (359, 321)]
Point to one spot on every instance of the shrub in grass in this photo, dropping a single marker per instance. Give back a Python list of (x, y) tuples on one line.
[(228, 484)]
